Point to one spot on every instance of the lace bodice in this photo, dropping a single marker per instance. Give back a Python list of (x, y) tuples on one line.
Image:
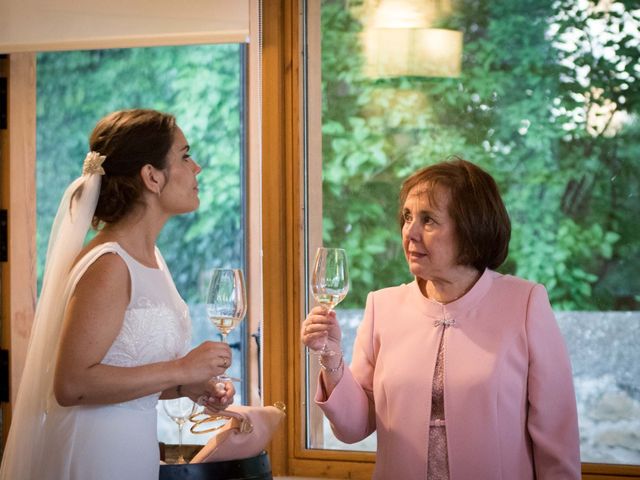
[(156, 325)]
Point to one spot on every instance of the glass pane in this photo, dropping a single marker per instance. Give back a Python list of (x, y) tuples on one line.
[(201, 86), (541, 94)]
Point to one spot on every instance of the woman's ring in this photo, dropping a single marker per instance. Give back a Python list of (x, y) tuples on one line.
[(225, 363)]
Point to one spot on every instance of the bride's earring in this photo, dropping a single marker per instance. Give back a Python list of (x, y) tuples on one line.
[(153, 179)]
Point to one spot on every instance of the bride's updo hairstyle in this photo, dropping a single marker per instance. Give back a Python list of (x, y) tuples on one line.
[(129, 139)]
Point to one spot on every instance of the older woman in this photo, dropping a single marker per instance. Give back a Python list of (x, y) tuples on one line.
[(463, 373)]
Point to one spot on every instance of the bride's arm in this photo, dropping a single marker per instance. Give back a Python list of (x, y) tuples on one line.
[(93, 319)]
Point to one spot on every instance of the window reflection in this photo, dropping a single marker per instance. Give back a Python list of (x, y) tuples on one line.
[(545, 101)]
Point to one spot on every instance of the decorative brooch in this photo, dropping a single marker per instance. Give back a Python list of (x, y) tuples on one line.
[(93, 164), (446, 322)]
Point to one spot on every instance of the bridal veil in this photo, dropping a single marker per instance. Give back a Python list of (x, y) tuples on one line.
[(35, 395)]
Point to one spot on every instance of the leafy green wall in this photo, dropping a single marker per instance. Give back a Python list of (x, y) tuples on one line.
[(517, 111), (201, 86)]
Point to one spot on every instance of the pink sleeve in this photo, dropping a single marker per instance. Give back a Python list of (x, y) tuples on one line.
[(552, 416), (350, 407)]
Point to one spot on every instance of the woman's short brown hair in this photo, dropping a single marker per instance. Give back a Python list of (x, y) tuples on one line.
[(130, 139), (482, 223)]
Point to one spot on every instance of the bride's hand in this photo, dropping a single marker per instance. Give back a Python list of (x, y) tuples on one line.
[(207, 360), (219, 396), (213, 394)]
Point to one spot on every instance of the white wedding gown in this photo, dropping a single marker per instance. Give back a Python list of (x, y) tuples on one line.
[(119, 441)]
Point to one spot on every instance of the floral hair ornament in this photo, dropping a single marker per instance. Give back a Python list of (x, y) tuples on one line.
[(93, 164)]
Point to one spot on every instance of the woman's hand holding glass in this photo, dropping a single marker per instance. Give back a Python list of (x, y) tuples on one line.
[(321, 333), (206, 361), (201, 369), (226, 303), (329, 286), (226, 306), (320, 330)]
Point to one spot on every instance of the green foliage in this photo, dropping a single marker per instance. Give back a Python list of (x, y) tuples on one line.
[(519, 110), (201, 86)]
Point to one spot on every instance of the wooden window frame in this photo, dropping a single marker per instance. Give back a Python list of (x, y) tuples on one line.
[(283, 250)]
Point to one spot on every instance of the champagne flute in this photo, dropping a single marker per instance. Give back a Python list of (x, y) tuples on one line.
[(179, 410), (329, 281), (226, 303)]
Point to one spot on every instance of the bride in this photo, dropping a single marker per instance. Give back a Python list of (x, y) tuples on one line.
[(111, 332)]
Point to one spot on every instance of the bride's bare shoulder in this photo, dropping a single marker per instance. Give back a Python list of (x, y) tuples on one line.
[(95, 242), (106, 273), (101, 293), (107, 269), (108, 266)]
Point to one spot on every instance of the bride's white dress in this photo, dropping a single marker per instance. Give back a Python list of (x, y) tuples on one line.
[(119, 441)]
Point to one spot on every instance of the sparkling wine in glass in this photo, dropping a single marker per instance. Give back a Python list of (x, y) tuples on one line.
[(226, 302), (330, 281), (179, 410)]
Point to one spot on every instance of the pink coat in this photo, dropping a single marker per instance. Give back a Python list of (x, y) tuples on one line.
[(510, 406)]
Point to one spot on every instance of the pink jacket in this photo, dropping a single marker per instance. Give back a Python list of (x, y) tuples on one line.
[(510, 406)]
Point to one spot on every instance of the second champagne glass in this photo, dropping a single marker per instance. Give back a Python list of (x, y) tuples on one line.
[(226, 302), (179, 410), (330, 281)]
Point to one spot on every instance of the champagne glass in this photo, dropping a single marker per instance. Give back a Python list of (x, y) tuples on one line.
[(226, 303), (179, 410), (329, 281)]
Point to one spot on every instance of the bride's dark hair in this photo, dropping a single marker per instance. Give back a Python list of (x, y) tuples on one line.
[(130, 139)]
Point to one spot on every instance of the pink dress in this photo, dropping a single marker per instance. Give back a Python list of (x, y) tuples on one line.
[(507, 386)]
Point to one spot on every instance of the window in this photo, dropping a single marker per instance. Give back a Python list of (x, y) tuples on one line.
[(542, 95), (202, 86)]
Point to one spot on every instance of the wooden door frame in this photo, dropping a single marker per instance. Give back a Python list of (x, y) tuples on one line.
[(17, 171)]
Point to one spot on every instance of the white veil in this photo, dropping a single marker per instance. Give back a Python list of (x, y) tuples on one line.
[(25, 442)]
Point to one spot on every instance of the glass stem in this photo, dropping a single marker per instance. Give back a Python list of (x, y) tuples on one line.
[(180, 456)]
